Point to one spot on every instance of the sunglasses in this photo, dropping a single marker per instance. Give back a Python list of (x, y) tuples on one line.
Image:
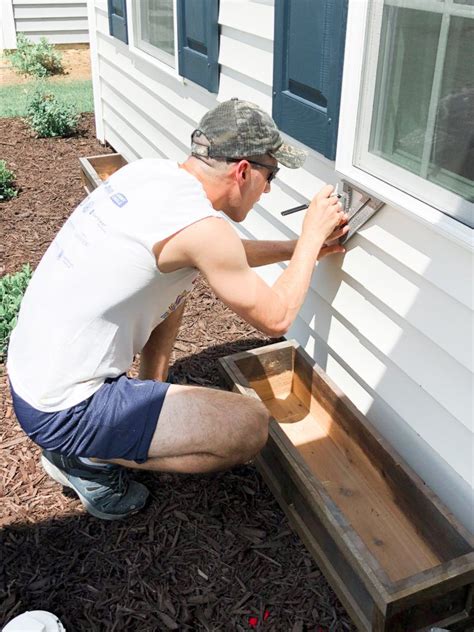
[(273, 170)]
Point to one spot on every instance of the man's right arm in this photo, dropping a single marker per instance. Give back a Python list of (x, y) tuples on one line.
[(323, 216), (213, 246)]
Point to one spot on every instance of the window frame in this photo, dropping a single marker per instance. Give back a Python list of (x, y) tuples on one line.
[(355, 118), (153, 57)]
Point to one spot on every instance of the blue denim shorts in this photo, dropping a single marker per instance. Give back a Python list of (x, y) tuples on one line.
[(117, 422)]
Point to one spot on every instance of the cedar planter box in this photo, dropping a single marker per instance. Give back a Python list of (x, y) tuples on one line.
[(96, 169), (394, 555)]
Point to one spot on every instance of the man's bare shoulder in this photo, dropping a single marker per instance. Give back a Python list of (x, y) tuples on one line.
[(209, 240)]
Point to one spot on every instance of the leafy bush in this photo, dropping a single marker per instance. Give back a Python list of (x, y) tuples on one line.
[(14, 98), (39, 60), (7, 177), (49, 116), (12, 288)]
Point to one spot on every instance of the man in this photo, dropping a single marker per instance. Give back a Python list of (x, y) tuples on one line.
[(113, 284)]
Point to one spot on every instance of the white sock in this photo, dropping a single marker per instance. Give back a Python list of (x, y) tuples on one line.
[(87, 461)]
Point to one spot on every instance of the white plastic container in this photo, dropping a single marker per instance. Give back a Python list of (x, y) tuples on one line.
[(35, 621)]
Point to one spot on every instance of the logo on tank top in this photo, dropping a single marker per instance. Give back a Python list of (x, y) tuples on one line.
[(179, 299), (119, 199)]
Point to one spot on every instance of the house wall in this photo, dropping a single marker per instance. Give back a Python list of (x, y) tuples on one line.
[(391, 321), (60, 21)]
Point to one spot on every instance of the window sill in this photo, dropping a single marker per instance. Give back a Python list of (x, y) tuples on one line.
[(424, 213), (160, 65)]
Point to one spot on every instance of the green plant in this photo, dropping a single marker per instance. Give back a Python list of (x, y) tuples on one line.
[(14, 98), (39, 60), (50, 116), (7, 177), (12, 288)]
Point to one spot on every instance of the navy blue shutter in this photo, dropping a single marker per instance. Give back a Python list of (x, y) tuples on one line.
[(198, 42), (118, 19), (307, 71)]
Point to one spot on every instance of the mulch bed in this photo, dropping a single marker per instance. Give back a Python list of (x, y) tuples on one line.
[(210, 552)]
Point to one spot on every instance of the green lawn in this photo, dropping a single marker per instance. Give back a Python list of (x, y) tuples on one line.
[(14, 98)]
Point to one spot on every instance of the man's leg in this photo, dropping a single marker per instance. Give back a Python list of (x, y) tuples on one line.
[(198, 430), (203, 430), (155, 355)]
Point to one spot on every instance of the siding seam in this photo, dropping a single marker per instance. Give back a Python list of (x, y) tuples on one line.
[(142, 114), (144, 87), (262, 87), (137, 131)]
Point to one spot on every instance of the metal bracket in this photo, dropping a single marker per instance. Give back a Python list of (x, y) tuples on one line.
[(360, 207)]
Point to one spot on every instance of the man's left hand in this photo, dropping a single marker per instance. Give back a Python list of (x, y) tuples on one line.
[(332, 246)]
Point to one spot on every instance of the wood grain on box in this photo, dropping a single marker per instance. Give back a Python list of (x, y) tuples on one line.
[(394, 555), (96, 169)]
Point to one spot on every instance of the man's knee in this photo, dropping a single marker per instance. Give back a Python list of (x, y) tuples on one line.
[(254, 429), (262, 420)]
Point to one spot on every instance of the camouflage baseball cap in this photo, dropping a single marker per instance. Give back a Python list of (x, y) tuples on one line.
[(240, 129)]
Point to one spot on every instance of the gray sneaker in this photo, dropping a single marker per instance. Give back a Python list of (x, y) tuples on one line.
[(104, 489)]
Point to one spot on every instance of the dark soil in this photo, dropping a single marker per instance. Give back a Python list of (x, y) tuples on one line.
[(210, 552)]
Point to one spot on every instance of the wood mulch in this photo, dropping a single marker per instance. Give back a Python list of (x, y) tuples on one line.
[(210, 552)]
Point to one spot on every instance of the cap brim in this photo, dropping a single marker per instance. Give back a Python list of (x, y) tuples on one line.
[(289, 156)]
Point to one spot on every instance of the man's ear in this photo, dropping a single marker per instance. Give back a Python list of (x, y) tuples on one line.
[(243, 170)]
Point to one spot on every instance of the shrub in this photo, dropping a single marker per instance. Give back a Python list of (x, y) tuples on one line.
[(12, 288), (7, 177), (39, 60), (49, 116)]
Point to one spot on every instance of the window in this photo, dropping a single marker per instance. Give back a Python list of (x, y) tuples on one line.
[(308, 60), (416, 125), (154, 34), (166, 29)]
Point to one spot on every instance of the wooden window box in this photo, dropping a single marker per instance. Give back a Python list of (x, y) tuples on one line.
[(96, 169), (394, 555)]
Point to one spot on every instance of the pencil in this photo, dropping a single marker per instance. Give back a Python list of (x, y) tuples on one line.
[(302, 207), (295, 209)]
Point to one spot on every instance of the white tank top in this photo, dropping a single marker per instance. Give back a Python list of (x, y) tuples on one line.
[(97, 294)]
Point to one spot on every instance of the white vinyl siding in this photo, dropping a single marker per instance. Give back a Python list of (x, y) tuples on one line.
[(60, 21), (391, 322)]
